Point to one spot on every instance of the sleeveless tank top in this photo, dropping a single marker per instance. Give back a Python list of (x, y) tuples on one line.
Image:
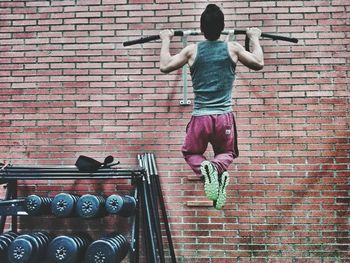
[(213, 74)]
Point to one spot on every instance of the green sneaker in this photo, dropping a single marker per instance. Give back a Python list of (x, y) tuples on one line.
[(211, 182), (223, 183)]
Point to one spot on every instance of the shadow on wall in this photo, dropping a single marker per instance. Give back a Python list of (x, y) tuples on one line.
[(301, 215), (310, 219)]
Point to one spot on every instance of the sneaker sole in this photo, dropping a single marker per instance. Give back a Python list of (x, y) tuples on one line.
[(220, 202), (211, 182)]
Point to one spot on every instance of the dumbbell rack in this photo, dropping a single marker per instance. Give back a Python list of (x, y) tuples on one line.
[(147, 191)]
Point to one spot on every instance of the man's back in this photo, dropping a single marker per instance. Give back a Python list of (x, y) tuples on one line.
[(213, 74)]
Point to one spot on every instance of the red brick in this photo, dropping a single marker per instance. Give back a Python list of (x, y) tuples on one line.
[(69, 87)]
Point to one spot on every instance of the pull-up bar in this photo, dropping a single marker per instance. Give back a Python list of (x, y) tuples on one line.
[(185, 33)]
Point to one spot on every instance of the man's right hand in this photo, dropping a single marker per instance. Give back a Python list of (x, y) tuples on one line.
[(253, 32)]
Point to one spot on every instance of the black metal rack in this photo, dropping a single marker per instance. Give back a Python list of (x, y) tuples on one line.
[(147, 191)]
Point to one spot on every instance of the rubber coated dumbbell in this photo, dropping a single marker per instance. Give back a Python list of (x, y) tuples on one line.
[(121, 205), (91, 206), (108, 250), (5, 241), (29, 248), (63, 205), (37, 205), (68, 249)]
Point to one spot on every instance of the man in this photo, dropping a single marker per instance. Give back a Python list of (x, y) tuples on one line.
[(212, 65)]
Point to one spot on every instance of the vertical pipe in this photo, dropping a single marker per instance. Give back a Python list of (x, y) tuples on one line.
[(4, 217), (164, 213), (154, 201), (148, 228), (142, 203), (12, 188), (184, 100), (148, 222), (134, 258)]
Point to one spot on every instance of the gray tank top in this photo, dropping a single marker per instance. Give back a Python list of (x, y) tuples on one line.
[(213, 74)]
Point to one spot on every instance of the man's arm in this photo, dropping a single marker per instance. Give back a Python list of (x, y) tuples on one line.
[(254, 59), (170, 63)]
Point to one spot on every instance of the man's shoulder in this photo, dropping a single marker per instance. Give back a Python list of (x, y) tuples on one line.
[(234, 44), (234, 47), (191, 47), (190, 50)]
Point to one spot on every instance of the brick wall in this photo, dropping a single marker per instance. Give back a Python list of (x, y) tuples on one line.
[(69, 87)]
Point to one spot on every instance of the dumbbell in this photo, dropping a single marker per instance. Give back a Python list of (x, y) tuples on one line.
[(5, 240), (121, 205), (91, 206), (63, 205), (37, 205), (29, 248), (68, 249), (111, 249)]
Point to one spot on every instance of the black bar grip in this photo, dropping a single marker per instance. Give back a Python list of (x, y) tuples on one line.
[(238, 32), (178, 33), (148, 39), (140, 40), (267, 35), (276, 37), (246, 43)]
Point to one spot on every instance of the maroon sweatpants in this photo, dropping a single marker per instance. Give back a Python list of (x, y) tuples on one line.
[(218, 130)]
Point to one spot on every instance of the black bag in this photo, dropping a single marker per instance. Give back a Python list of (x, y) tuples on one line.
[(88, 164)]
